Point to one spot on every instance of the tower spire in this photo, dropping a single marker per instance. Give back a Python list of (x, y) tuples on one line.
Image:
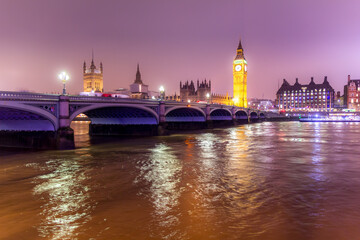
[(92, 66), (138, 76), (240, 51), (240, 46)]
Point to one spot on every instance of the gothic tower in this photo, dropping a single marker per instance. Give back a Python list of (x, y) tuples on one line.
[(138, 89), (93, 78), (240, 78)]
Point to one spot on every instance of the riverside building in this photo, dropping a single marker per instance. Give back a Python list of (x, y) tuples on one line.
[(201, 93), (138, 89), (352, 94), (308, 97), (240, 78), (93, 78)]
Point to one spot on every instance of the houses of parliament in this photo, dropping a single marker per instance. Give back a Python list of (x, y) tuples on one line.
[(189, 92), (93, 78), (202, 91)]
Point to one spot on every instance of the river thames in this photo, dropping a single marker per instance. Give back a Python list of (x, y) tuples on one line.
[(284, 180)]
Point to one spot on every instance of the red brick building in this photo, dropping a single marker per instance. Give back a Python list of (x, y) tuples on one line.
[(352, 94)]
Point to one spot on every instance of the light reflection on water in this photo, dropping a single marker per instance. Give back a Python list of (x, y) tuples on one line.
[(162, 173), (261, 181), (67, 205)]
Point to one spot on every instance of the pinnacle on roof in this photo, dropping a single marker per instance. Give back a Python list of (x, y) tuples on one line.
[(138, 76), (240, 51), (240, 46), (325, 80), (92, 66), (312, 81)]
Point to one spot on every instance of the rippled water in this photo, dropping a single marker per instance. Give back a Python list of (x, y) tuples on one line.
[(286, 180)]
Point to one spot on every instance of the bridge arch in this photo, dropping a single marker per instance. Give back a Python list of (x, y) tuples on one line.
[(254, 115), (185, 114), (130, 113), (241, 115), (262, 115), (220, 114), (33, 118)]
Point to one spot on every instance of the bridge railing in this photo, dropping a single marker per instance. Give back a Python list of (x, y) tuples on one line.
[(27, 96), (12, 95), (133, 100), (76, 98)]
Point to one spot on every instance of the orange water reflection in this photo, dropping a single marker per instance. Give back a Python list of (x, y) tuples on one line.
[(66, 198), (162, 171)]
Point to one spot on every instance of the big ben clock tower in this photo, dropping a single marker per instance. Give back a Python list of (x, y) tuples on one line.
[(240, 78)]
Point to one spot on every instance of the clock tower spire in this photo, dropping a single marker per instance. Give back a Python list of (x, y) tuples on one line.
[(240, 78)]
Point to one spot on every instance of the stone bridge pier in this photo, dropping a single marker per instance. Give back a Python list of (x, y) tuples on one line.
[(65, 134)]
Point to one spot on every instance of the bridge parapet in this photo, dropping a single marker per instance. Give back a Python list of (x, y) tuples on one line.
[(110, 99), (27, 96)]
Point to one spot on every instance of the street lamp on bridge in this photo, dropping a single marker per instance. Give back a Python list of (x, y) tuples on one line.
[(162, 92), (64, 77)]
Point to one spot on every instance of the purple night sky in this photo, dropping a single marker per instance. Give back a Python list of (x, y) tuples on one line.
[(177, 41)]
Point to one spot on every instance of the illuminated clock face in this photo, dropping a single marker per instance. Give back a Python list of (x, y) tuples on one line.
[(245, 68), (237, 68)]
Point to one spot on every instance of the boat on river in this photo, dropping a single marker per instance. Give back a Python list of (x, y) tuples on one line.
[(332, 117)]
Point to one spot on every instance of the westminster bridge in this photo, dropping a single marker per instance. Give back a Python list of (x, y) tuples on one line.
[(43, 120)]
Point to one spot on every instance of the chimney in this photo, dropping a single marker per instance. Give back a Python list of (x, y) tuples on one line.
[(348, 78)]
